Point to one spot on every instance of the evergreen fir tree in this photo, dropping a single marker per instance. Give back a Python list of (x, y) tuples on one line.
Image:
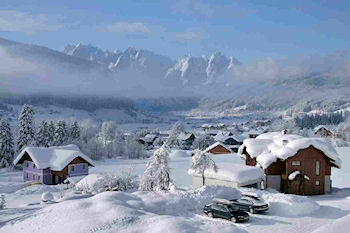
[(61, 133), (6, 141), (75, 131), (26, 129), (51, 130), (42, 136)]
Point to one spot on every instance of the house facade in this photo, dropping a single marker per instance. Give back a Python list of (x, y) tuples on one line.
[(52, 165), (303, 168)]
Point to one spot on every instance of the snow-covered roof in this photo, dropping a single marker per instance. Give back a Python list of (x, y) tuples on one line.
[(224, 138), (255, 131), (269, 147), (149, 138), (328, 127), (240, 174), (215, 145), (55, 157), (184, 136)]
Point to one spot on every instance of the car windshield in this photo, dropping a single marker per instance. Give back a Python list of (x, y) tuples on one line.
[(255, 200), (233, 208)]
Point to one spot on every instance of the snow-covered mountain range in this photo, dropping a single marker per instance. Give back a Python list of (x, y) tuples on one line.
[(186, 71), (225, 83)]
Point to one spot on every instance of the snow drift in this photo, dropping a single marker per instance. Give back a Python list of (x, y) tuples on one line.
[(128, 212), (285, 204)]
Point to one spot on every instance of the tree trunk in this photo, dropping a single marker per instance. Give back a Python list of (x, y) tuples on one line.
[(203, 180)]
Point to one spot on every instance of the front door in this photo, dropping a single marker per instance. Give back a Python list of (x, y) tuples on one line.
[(296, 186)]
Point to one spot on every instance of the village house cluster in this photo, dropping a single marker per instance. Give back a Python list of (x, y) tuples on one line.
[(286, 162)]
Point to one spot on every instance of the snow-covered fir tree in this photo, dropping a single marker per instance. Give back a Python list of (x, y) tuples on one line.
[(42, 135), (61, 133), (172, 140), (26, 128), (75, 132), (2, 202), (157, 174), (6, 142), (51, 130), (201, 162)]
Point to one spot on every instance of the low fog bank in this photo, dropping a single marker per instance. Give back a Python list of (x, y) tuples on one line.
[(34, 70)]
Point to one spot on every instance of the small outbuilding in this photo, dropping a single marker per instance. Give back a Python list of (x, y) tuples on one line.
[(230, 175)]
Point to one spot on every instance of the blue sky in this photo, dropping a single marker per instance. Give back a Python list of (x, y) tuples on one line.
[(247, 30)]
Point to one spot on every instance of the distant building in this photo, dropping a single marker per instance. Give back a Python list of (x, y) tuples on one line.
[(53, 165), (292, 163), (148, 140), (323, 131), (186, 139), (227, 138), (218, 148)]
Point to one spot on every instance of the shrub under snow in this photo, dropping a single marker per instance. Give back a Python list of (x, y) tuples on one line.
[(96, 183), (47, 197)]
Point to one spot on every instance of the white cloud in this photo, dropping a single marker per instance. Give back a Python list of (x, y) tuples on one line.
[(15, 21), (187, 36), (128, 27), (192, 7)]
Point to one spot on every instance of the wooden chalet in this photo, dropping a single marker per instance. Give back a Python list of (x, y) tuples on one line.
[(308, 159)]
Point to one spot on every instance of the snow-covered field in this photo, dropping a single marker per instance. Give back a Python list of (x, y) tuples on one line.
[(175, 211)]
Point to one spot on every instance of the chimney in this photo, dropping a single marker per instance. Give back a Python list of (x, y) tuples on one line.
[(284, 131), (284, 142)]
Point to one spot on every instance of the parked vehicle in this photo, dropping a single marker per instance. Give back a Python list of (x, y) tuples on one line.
[(251, 204), (225, 211)]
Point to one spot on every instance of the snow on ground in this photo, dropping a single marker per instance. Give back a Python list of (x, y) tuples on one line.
[(177, 211), (340, 177)]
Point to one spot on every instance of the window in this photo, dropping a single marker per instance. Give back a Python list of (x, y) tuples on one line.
[(84, 166), (26, 175), (220, 208), (295, 163), (38, 177), (33, 165), (72, 168), (317, 183), (27, 164), (317, 168), (33, 177)]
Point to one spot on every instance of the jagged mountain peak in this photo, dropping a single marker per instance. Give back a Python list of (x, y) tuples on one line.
[(187, 70)]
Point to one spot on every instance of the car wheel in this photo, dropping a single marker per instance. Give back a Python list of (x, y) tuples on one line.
[(210, 215), (251, 210), (233, 219)]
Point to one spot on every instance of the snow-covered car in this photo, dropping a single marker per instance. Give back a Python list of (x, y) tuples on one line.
[(225, 211), (251, 203)]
